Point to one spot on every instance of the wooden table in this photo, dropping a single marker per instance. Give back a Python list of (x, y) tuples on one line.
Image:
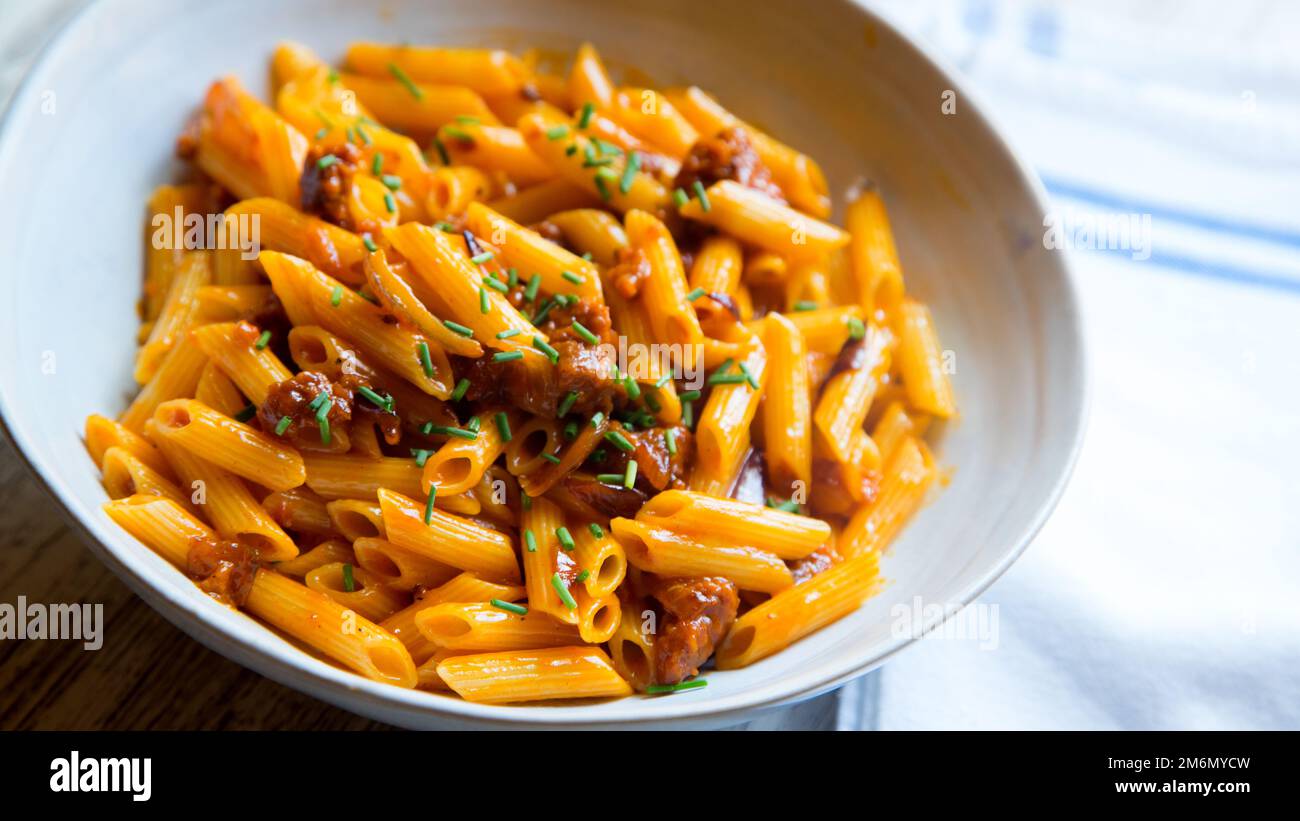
[(147, 675)]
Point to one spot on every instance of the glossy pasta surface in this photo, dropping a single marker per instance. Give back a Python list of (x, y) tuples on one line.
[(503, 380)]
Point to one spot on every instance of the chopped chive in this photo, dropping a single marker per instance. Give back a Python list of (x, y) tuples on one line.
[(670, 441), (541, 315), (688, 415), (457, 328), (479, 259), (598, 456), (610, 478), (557, 132), (652, 401), (788, 506), (384, 402), (597, 418), (460, 433), (632, 388), (326, 161), (333, 75), (460, 134), (503, 426), (690, 396), (442, 150), (445, 227), (391, 181), (530, 541), (857, 328), (248, 412), (465, 119), (369, 243), (507, 356), (324, 423), (552, 458), (680, 198), (726, 365), (805, 305), (607, 147), (702, 196), (534, 282), (583, 576), (506, 334), (509, 607), (283, 425), (629, 480), (361, 132), (655, 689), (541, 345), (428, 505), (571, 430), (513, 277), (749, 376), (349, 583), (321, 132), (601, 188), (459, 393), (263, 340), (663, 380), (525, 501), (426, 361), (349, 134), (473, 424), (619, 441), (587, 336), (696, 294), (484, 304), (576, 279), (727, 379), (566, 404), (426, 428), (585, 117), (390, 203), (421, 456), (563, 590), (377, 164), (596, 530), (570, 150), (405, 80), (566, 539), (337, 296), (629, 172), (496, 284)]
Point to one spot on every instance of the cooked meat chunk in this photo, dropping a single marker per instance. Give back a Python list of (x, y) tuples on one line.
[(610, 500), (223, 568), (325, 190), (657, 469), (729, 155), (626, 276), (697, 614), (541, 388), (819, 560), (295, 399)]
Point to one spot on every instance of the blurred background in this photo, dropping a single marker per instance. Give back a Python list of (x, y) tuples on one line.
[(1165, 591)]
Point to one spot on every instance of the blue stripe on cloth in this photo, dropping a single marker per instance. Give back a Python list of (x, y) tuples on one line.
[(1119, 202)]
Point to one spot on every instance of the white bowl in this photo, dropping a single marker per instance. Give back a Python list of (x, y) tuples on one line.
[(91, 132)]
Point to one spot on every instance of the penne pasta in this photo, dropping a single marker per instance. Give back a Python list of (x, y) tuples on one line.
[(533, 675), (655, 549)]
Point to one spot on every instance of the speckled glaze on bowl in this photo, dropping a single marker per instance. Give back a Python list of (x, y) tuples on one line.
[(91, 132)]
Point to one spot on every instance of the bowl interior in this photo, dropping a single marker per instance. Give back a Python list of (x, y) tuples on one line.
[(92, 132)]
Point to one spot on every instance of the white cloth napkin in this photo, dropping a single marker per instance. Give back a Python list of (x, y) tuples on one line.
[(1163, 592)]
